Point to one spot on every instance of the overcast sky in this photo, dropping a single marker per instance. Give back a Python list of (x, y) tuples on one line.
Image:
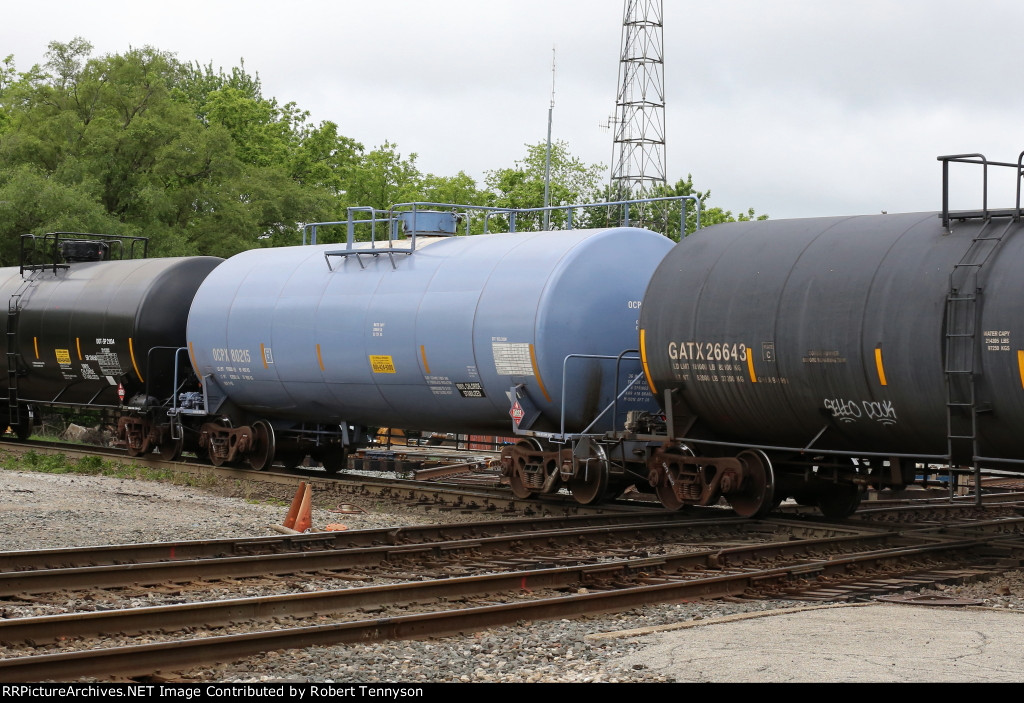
[(796, 108)]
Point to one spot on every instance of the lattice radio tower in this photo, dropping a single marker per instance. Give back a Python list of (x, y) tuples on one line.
[(638, 154)]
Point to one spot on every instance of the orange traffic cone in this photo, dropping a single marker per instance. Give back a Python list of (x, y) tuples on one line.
[(304, 520), (293, 511), (300, 514)]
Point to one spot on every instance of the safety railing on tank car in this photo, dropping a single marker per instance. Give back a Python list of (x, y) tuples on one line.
[(58, 250), (446, 223), (612, 407), (513, 213), (979, 160)]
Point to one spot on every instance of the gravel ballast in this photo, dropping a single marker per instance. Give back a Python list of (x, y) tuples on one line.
[(40, 510)]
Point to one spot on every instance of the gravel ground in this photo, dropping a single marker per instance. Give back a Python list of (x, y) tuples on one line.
[(62, 510)]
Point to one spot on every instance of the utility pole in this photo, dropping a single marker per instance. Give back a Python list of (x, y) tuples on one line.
[(547, 162), (638, 153)]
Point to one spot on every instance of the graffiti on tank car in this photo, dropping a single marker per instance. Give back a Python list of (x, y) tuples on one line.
[(852, 410), (707, 351), (844, 410), (881, 411)]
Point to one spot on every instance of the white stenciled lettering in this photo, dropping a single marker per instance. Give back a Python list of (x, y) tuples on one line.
[(239, 356), (707, 351)]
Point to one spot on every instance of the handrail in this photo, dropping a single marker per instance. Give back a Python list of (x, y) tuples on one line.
[(392, 216), (979, 159), (612, 405), (30, 244)]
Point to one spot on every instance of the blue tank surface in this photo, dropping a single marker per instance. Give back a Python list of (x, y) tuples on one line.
[(433, 339)]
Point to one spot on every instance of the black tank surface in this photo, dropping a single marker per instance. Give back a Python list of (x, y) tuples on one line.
[(84, 333), (773, 331)]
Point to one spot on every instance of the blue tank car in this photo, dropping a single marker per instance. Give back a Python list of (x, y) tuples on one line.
[(461, 333)]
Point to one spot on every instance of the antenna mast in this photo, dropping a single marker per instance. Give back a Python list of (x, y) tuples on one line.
[(638, 153), (547, 162)]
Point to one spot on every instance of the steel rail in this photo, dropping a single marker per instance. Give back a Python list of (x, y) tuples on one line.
[(274, 544), (449, 495), (214, 613), (13, 583), (174, 656)]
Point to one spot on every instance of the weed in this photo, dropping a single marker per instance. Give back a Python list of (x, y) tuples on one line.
[(93, 465)]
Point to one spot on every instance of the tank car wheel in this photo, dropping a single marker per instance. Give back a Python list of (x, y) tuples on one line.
[(173, 449), (519, 489), (333, 459), (666, 491), (23, 428), (756, 497), (591, 485), (840, 501), (264, 443), (22, 431), (515, 482)]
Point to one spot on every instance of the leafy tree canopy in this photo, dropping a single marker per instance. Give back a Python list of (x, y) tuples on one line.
[(195, 159), (201, 162), (522, 186)]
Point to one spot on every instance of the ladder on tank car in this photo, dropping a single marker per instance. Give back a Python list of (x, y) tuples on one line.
[(963, 311), (962, 319), (13, 352)]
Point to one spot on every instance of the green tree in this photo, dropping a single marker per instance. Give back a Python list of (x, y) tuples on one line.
[(572, 181), (197, 160), (382, 177), (664, 217)]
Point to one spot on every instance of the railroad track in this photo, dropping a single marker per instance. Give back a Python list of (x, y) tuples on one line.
[(771, 559), (431, 495), (444, 488)]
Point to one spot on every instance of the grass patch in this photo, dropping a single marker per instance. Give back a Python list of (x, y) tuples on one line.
[(98, 466)]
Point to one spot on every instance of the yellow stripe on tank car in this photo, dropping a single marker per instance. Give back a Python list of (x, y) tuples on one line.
[(536, 373), (423, 354), (78, 346), (643, 360), (750, 365), (1020, 365), (320, 358), (131, 353), (263, 355), (35, 343), (879, 366)]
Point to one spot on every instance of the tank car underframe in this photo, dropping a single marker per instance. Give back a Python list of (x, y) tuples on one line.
[(260, 445), (218, 430), (20, 420), (684, 471), (589, 468), (140, 435)]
